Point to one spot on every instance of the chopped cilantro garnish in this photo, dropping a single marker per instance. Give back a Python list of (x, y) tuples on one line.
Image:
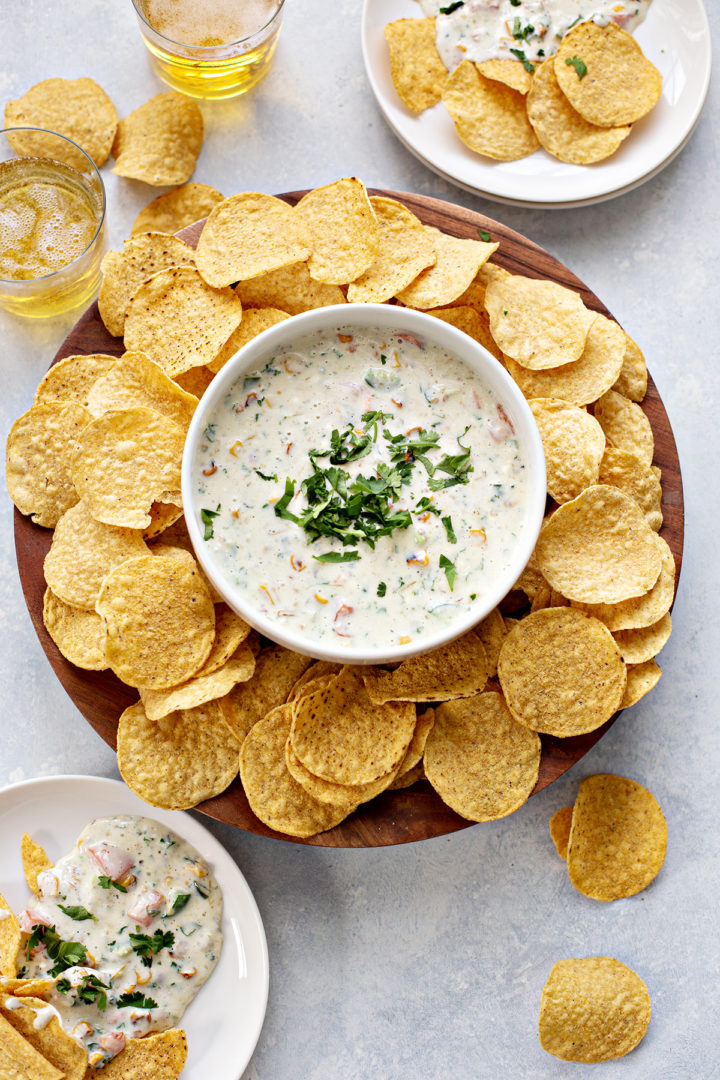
[(137, 1000), (79, 913), (424, 506), (180, 901), (381, 589), (447, 522), (105, 883), (451, 7), (338, 556), (523, 60), (450, 571), (206, 516), (92, 991), (67, 953), (266, 476), (579, 65), (473, 596), (63, 985), (200, 890), (520, 32), (515, 3), (147, 946), (484, 235)]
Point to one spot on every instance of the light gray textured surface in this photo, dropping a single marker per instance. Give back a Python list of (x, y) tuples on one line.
[(427, 962)]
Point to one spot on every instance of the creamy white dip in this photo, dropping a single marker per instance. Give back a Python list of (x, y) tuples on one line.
[(531, 29), (463, 499), (139, 934)]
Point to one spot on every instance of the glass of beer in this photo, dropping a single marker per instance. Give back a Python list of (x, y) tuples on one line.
[(210, 48), (52, 213)]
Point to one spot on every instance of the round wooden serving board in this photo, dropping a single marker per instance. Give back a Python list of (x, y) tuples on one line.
[(396, 817)]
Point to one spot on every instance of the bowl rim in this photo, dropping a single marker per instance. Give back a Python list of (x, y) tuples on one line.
[(340, 317)]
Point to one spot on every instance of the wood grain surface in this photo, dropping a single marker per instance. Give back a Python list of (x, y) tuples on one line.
[(395, 817)]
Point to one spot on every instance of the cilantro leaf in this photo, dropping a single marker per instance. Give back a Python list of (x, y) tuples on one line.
[(180, 901), (137, 1000), (381, 589), (447, 522), (523, 60), (92, 991), (149, 945), (449, 568), (265, 476), (338, 556), (206, 516), (485, 236), (67, 953), (451, 7), (105, 883), (579, 65), (79, 913)]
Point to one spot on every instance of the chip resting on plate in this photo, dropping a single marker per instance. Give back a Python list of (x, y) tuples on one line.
[(510, 72), (79, 109), (126, 460), (593, 1009), (342, 229), (39, 460), (616, 84), (573, 442), (491, 632), (248, 235), (319, 669), (9, 939), (456, 670), (254, 321), (405, 247), (289, 289), (160, 621), (34, 860), (19, 1059), (561, 674), (626, 426), (177, 209), (276, 672), (598, 548), (73, 378), (274, 795), (49, 1039), (560, 824), (618, 838), (560, 129), (537, 323), (479, 759), (490, 117), (161, 1057), (136, 380), (417, 72), (178, 761), (339, 734), (179, 320), (455, 267), (123, 272), (160, 141)]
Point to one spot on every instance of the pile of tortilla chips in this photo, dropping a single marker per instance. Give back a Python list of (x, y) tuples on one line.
[(45, 1051), (579, 104), (98, 456)]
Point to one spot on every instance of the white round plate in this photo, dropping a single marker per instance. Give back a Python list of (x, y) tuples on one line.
[(223, 1023), (675, 36)]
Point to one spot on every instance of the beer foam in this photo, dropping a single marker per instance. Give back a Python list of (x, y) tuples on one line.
[(208, 22)]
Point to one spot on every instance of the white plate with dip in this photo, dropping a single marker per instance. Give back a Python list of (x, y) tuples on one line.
[(224, 1021), (674, 36)]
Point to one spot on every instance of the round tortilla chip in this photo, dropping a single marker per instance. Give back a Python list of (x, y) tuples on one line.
[(340, 735), (275, 797), (195, 380), (405, 248), (320, 669), (617, 840), (177, 209), (472, 322), (619, 85), (179, 761), (598, 548), (340, 796), (641, 679), (73, 378), (560, 129), (581, 381), (489, 116), (560, 824), (289, 289), (160, 621), (633, 377), (626, 426), (561, 674), (573, 442), (39, 460), (642, 610), (491, 632), (179, 321), (481, 762), (79, 634), (457, 262), (416, 69), (159, 142), (592, 1010), (510, 72), (136, 380), (230, 633), (343, 231), (277, 670), (254, 321), (79, 109), (627, 473), (125, 461), (642, 644), (125, 271), (202, 688), (537, 323), (248, 235), (456, 670)]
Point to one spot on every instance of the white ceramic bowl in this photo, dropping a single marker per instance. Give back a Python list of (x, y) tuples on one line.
[(255, 355)]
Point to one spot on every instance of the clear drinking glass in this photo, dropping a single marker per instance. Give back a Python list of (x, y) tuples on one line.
[(52, 216), (210, 48)]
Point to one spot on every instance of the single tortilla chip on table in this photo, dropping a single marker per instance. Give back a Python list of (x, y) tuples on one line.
[(626, 426), (573, 442), (598, 548), (39, 460), (124, 462), (277, 670), (456, 670), (250, 234), (160, 141), (560, 674), (20, 1060), (343, 231), (537, 323), (275, 797), (560, 129), (79, 109), (178, 761), (177, 209), (405, 248), (593, 1009), (73, 378), (617, 840), (489, 116), (136, 380), (605, 76), (289, 289), (560, 824), (416, 69), (50, 1039), (479, 759), (160, 621), (641, 679), (160, 1057), (456, 265), (123, 272), (180, 321)]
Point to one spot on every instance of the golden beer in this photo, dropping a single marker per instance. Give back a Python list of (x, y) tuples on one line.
[(210, 48)]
